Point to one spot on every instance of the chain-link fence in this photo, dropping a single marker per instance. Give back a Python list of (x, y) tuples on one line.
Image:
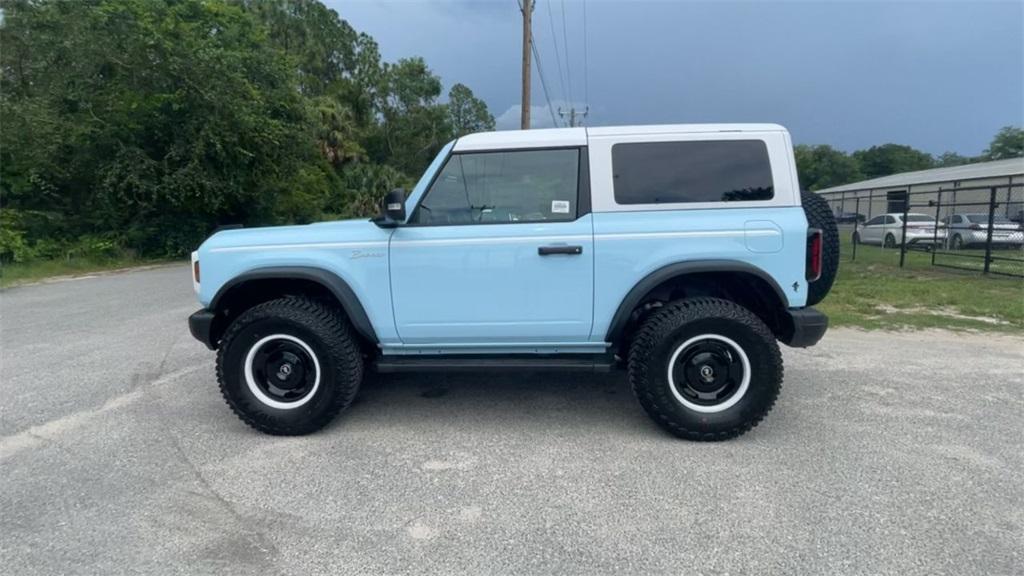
[(978, 228)]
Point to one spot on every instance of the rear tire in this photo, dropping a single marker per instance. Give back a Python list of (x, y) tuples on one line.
[(705, 369), (890, 241), (819, 215), (289, 366), (958, 242)]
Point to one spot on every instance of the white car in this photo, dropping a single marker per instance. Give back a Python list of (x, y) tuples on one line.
[(971, 230), (887, 230)]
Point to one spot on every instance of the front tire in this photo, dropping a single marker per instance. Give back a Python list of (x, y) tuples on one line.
[(705, 369), (289, 366)]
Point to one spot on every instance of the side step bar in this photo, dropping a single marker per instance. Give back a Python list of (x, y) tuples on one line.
[(474, 363)]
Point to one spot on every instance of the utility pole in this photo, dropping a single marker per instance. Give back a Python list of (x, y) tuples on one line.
[(573, 114), (527, 8)]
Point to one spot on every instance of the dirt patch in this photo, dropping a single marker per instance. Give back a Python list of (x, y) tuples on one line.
[(943, 311)]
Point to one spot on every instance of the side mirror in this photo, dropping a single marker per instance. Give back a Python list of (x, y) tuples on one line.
[(392, 209)]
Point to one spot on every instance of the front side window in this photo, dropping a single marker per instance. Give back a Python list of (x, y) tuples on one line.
[(503, 187), (692, 171)]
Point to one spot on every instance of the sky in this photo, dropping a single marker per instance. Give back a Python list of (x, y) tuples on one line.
[(937, 75)]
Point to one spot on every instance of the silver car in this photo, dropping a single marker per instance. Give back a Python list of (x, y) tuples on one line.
[(887, 230), (967, 230)]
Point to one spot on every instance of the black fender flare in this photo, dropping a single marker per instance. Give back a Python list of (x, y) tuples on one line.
[(332, 282), (667, 272)]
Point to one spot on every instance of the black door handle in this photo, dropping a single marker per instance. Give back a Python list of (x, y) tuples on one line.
[(561, 249)]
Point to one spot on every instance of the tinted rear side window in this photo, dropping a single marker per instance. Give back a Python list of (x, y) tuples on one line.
[(711, 171)]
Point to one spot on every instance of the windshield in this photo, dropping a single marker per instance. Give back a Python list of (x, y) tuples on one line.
[(983, 219), (919, 218), (428, 176)]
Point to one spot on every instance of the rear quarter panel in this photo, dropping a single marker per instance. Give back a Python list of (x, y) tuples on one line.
[(631, 241), (630, 245)]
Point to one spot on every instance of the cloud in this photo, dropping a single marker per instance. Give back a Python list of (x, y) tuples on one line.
[(540, 116)]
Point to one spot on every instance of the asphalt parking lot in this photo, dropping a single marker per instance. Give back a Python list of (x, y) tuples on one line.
[(887, 454)]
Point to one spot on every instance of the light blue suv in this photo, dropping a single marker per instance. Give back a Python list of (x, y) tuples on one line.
[(683, 253)]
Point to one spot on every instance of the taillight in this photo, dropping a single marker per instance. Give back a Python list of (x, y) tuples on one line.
[(975, 226), (813, 254)]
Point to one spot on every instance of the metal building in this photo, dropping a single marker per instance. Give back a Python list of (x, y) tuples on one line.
[(934, 190)]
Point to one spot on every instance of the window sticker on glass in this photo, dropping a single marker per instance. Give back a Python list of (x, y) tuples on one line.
[(559, 206)]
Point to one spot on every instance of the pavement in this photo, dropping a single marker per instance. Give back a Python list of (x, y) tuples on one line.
[(888, 453)]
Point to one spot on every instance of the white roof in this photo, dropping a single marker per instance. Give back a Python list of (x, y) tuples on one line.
[(681, 129), (546, 138), (978, 171), (558, 137)]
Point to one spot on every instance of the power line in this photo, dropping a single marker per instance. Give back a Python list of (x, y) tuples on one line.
[(565, 44), (558, 56), (543, 84), (573, 115)]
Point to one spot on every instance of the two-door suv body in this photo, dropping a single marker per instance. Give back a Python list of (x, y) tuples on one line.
[(683, 253)]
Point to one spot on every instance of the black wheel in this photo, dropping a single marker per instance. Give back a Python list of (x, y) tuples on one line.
[(289, 366), (705, 369), (819, 215), (856, 237), (890, 241), (958, 242)]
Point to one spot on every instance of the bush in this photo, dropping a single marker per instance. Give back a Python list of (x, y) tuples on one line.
[(13, 247), (365, 186)]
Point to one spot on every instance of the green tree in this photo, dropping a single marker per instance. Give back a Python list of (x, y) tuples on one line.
[(466, 112), (363, 187), (1007, 143), (822, 166), (181, 117), (145, 123), (891, 159), (947, 159), (414, 125), (320, 46), (328, 56)]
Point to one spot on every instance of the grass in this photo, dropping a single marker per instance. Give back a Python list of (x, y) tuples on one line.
[(873, 292), (23, 273)]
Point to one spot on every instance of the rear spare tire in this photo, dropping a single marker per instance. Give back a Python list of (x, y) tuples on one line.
[(819, 216)]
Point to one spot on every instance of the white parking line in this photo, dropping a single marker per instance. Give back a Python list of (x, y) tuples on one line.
[(43, 433)]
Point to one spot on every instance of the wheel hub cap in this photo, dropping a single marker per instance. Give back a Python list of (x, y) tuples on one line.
[(283, 370), (709, 373)]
